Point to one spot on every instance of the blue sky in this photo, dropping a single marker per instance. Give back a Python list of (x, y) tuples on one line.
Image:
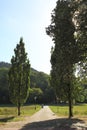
[(26, 18)]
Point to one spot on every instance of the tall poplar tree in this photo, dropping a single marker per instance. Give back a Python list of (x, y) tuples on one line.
[(64, 54), (19, 76)]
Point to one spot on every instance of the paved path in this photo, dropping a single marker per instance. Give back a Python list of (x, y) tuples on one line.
[(45, 119)]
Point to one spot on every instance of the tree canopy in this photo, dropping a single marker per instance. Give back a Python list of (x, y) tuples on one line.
[(67, 50)]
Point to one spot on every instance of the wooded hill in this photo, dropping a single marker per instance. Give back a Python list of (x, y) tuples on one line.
[(39, 86)]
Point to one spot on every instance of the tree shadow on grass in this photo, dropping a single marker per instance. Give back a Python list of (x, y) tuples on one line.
[(56, 124), (6, 119)]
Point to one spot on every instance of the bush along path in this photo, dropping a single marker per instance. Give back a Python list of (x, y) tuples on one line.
[(45, 119)]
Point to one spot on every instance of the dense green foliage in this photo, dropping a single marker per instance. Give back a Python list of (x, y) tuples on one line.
[(68, 31), (45, 95), (4, 92), (39, 86), (80, 17), (64, 53), (81, 31), (19, 76), (40, 82)]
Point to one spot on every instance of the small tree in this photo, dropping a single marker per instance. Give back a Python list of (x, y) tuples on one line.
[(19, 76)]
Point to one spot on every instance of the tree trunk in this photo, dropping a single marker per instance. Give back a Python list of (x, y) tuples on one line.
[(19, 109), (70, 101), (70, 108)]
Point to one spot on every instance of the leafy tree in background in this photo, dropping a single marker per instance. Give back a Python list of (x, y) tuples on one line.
[(64, 54), (81, 31), (42, 81), (35, 92), (19, 76), (39, 82)]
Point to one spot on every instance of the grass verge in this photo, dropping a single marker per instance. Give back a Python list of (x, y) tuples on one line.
[(79, 110), (9, 113)]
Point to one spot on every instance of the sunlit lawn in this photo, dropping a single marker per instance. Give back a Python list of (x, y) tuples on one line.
[(78, 110), (9, 113)]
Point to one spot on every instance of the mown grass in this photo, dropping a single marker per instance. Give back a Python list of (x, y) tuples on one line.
[(63, 110), (9, 113)]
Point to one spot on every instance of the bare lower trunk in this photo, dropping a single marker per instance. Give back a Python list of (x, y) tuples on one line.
[(70, 102), (19, 109), (70, 108)]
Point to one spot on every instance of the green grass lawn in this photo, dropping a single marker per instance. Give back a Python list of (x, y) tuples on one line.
[(78, 110), (9, 113)]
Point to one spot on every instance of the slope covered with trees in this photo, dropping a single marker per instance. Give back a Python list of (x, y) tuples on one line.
[(39, 86)]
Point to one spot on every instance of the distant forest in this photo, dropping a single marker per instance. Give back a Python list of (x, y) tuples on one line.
[(39, 86)]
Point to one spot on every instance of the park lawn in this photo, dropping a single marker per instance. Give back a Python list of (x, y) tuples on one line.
[(9, 113), (79, 110)]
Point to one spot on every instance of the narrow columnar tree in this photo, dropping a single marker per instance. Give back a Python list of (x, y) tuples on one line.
[(64, 54), (19, 76)]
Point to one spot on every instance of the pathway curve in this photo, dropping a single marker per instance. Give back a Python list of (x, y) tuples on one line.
[(45, 119)]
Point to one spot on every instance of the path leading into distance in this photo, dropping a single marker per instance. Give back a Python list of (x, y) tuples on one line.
[(45, 119)]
